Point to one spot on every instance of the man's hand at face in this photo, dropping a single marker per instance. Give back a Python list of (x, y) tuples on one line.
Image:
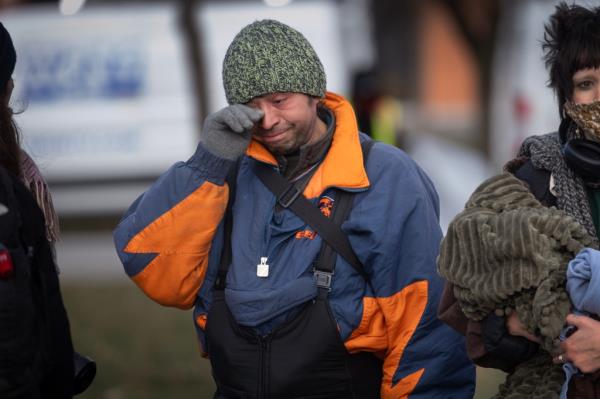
[(227, 132)]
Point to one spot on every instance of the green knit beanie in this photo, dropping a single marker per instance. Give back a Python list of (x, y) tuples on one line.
[(269, 57)]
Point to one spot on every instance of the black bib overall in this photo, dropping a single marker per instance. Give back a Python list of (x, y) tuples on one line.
[(303, 358)]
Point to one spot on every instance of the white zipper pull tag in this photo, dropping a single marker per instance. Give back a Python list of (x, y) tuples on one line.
[(262, 270)]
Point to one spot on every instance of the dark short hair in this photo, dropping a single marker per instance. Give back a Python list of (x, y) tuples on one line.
[(571, 43)]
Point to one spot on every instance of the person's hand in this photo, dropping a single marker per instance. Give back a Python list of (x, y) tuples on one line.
[(227, 132), (515, 327), (582, 348)]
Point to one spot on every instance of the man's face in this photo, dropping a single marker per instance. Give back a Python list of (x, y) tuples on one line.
[(290, 121)]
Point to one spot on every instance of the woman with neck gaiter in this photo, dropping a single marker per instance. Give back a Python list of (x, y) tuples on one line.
[(516, 240)]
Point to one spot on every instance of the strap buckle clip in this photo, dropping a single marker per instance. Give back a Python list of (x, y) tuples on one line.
[(323, 279), (288, 196)]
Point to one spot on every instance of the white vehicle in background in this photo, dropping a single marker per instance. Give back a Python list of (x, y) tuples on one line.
[(522, 104)]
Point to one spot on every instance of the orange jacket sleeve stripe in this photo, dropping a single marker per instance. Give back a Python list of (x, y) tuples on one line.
[(388, 325), (181, 246)]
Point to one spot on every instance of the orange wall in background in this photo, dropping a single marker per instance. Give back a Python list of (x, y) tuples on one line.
[(448, 73)]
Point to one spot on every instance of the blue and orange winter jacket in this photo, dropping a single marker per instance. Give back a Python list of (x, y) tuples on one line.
[(170, 242)]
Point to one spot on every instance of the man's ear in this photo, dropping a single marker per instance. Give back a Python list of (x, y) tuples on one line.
[(314, 101)]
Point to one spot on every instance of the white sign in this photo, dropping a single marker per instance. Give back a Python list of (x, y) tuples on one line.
[(107, 90)]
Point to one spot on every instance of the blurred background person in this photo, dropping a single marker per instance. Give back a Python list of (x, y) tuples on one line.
[(562, 170), (36, 359)]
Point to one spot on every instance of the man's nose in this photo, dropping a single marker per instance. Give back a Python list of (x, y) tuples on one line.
[(270, 119)]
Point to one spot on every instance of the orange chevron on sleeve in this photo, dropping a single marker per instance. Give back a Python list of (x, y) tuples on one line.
[(402, 313), (403, 388), (182, 238), (371, 334)]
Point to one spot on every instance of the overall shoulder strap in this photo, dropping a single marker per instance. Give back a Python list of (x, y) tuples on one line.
[(231, 181), (325, 265)]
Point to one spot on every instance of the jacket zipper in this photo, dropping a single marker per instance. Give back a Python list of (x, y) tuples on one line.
[(263, 383)]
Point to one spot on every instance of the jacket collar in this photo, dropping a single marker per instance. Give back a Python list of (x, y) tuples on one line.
[(343, 164)]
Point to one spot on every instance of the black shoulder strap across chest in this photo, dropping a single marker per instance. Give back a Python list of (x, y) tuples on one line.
[(288, 196)]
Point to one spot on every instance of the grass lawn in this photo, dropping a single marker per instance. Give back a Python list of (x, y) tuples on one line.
[(143, 350), (146, 351)]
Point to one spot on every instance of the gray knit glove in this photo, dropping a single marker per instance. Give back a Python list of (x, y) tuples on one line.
[(226, 133)]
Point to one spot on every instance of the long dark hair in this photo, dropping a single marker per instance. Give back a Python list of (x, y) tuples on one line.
[(571, 43), (10, 148)]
